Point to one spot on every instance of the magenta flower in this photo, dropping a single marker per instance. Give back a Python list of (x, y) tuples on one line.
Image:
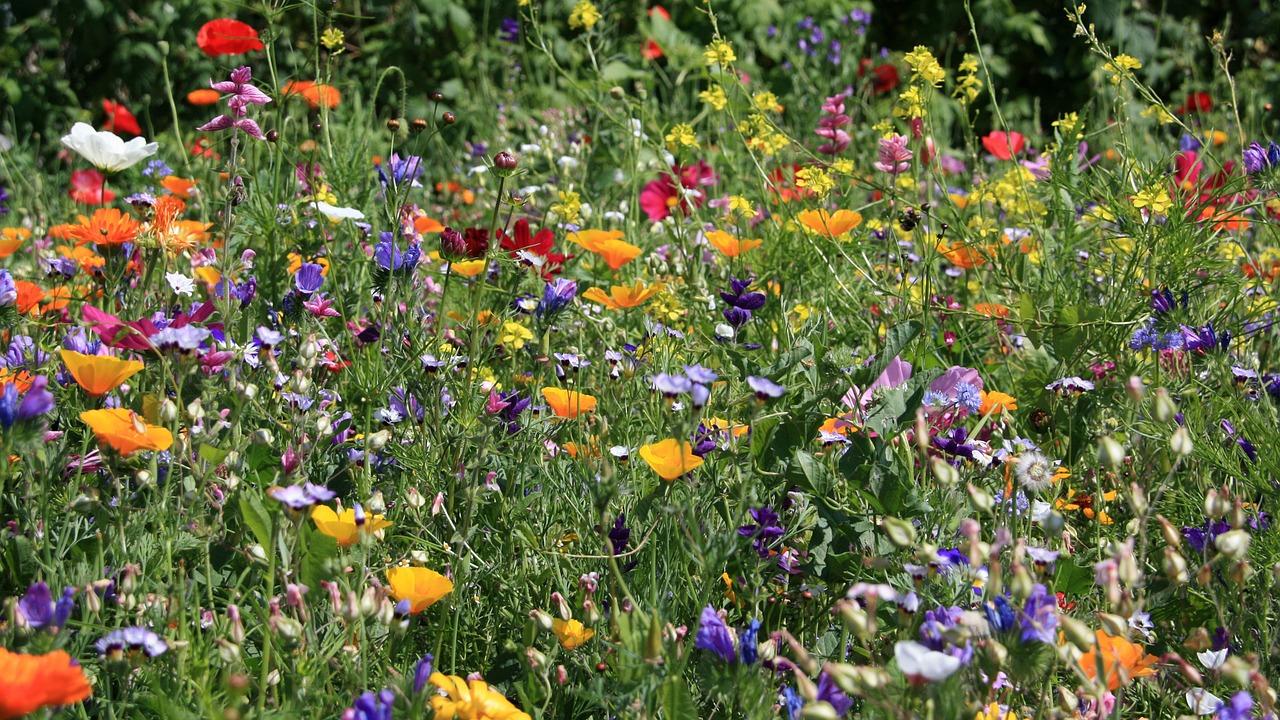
[(829, 126), (894, 155), (242, 95)]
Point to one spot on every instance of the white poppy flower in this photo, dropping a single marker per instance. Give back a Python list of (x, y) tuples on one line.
[(338, 213), (1212, 659), (107, 151), (918, 662), (180, 283), (1203, 702)]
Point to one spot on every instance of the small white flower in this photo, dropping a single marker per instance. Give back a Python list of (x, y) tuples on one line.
[(528, 190), (918, 662), (180, 283), (1203, 702), (338, 213), (527, 148), (477, 169), (1040, 510), (5, 144), (567, 163), (1212, 659), (106, 150), (613, 216)]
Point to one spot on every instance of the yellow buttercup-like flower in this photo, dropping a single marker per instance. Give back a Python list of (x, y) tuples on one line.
[(515, 335), (343, 527), (572, 634), (670, 458), (472, 700), (420, 586), (719, 52)]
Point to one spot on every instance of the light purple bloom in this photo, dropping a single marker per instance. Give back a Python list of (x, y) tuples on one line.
[(133, 639), (765, 388), (894, 155)]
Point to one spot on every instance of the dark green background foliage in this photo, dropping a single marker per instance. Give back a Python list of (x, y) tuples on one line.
[(59, 60)]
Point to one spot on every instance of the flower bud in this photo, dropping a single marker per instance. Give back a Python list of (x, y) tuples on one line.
[(262, 436), (944, 473), (1110, 452), (901, 532), (1180, 442), (1114, 625), (1214, 504), (652, 652), (818, 711), (449, 118), (980, 498), (1162, 407), (505, 161), (857, 620), (452, 244), (562, 606), (237, 627), (1136, 389), (1175, 567), (1233, 543), (378, 440), (393, 125), (273, 136), (417, 125), (535, 658), (543, 620), (168, 411)]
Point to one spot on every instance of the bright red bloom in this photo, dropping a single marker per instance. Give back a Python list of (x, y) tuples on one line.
[(225, 36), (884, 77), (651, 51), (1200, 102), (661, 196), (119, 119), (660, 12), (1186, 169), (521, 240), (1004, 145), (86, 188)]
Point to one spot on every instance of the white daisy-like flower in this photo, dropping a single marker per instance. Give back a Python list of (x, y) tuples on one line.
[(180, 283)]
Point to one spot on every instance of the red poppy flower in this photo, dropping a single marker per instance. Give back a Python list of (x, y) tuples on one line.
[(521, 240), (225, 36), (661, 12), (1200, 102), (651, 51), (1004, 145), (119, 119), (660, 197), (86, 188), (884, 78)]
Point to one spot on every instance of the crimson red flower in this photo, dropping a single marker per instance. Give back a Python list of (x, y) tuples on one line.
[(119, 119), (651, 51), (522, 241), (1004, 145), (477, 240), (86, 188), (1200, 102), (884, 78), (225, 36), (659, 197)]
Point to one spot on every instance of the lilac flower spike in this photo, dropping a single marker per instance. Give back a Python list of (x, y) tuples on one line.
[(242, 96)]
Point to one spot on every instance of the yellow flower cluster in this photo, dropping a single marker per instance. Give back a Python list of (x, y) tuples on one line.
[(816, 180), (714, 96), (584, 15), (719, 52), (1160, 114), (741, 207), (681, 136), (333, 39), (1071, 126), (1120, 67), (766, 101), (911, 103), (569, 208), (968, 85), (1011, 193), (762, 136), (1155, 199), (925, 67), (665, 307)]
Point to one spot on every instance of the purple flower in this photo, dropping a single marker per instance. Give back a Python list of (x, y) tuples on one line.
[(1039, 616), (700, 375), (829, 693), (309, 278), (1255, 159), (555, 296), (749, 643), (1069, 386), (1204, 338), (403, 170), (714, 636), (185, 338), (894, 155), (37, 606), (670, 385), (389, 257), (116, 643), (509, 32), (8, 290), (1240, 707), (422, 672), (299, 497), (765, 530), (371, 707), (765, 388), (242, 96)]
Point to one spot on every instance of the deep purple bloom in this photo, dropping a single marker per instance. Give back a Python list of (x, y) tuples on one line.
[(749, 643), (740, 298), (509, 31), (422, 672), (1039, 616), (829, 693), (1205, 338), (1240, 707), (766, 530), (1255, 159), (955, 443), (371, 707), (555, 296), (1000, 614), (403, 170), (309, 278), (714, 635), (116, 643), (37, 606), (242, 96), (619, 535), (390, 257)]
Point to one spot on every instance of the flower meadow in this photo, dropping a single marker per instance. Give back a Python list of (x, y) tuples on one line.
[(657, 363)]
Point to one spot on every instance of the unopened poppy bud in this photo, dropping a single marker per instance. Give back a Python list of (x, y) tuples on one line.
[(393, 125), (1162, 407), (378, 440), (417, 125), (168, 411), (1236, 517), (262, 436), (591, 612), (997, 652), (1240, 573), (856, 620), (535, 657), (1021, 585), (1175, 567), (1136, 389), (562, 675), (1114, 625), (819, 711), (562, 606), (273, 136), (1110, 452), (543, 620), (617, 93), (377, 504), (1067, 701), (449, 118), (944, 473), (1170, 533), (1214, 505), (901, 532), (980, 498), (228, 652), (369, 602), (1233, 543), (1137, 499), (415, 499), (1180, 442)]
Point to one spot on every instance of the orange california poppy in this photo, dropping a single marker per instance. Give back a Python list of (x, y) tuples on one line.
[(178, 186), (995, 402), (830, 225), (572, 634), (31, 682), (420, 586), (204, 96), (670, 458), (316, 94), (617, 253), (468, 268), (107, 227), (1223, 220), (568, 403), (99, 374), (962, 254), (11, 239), (622, 297), (123, 430), (1122, 660), (730, 245), (22, 379), (590, 240), (29, 296), (424, 224), (995, 310), (62, 231), (343, 526)]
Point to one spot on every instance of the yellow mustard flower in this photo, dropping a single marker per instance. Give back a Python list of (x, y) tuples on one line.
[(515, 335), (584, 15), (719, 52), (715, 97)]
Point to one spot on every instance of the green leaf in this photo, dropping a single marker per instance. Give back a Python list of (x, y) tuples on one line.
[(256, 517), (317, 559), (896, 340), (212, 455), (675, 699)]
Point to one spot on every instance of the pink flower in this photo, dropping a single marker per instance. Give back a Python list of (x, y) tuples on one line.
[(894, 155), (320, 306), (242, 96), (660, 197), (829, 126)]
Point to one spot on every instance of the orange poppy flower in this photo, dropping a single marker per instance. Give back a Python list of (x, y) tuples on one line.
[(468, 268), (1224, 220), (107, 227), (617, 253), (997, 402), (61, 231), (178, 186), (830, 225), (420, 586), (123, 430), (225, 36), (316, 94), (670, 458), (29, 296), (204, 96), (622, 297), (568, 403), (56, 299), (99, 374), (730, 245), (995, 310), (590, 240), (343, 527), (22, 379), (11, 239), (1122, 660), (31, 682), (962, 254), (424, 224)]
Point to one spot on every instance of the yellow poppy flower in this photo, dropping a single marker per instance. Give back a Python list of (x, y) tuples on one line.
[(572, 634), (99, 374), (730, 245), (830, 225), (470, 700), (568, 403), (622, 297), (670, 458), (468, 268), (420, 586), (342, 527)]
